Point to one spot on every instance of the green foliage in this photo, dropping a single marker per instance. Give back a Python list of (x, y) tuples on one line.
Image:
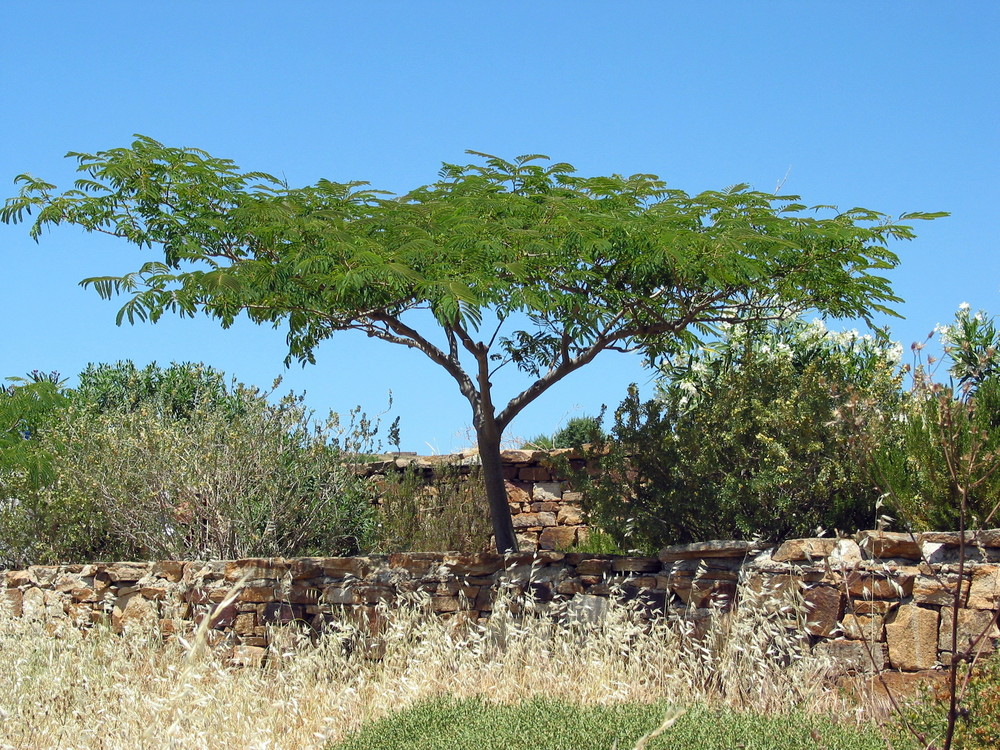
[(477, 724), (577, 432), (947, 453), (448, 512), (26, 407), (182, 473), (521, 262), (978, 725), (753, 437), (178, 390)]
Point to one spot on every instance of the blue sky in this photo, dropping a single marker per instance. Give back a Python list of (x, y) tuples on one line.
[(890, 106)]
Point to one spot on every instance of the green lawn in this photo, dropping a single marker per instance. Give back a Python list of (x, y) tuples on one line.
[(540, 724)]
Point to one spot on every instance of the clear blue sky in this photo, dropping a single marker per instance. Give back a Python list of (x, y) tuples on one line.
[(890, 106)]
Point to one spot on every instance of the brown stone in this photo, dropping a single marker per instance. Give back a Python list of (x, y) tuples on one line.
[(636, 565), (545, 507), (795, 550), (557, 537), (342, 567), (527, 541), (133, 611), (852, 657), (171, 570), (301, 568), (884, 544), (281, 613), (255, 569), (516, 493), (900, 685), (879, 585), (863, 627), (534, 520), (534, 474), (938, 590), (256, 594), (972, 623), (912, 635), (520, 457), (340, 595), (12, 599), (547, 491), (730, 548), (570, 515), (245, 623), (825, 607), (127, 571), (985, 590), (17, 578), (474, 565), (593, 567), (416, 563)]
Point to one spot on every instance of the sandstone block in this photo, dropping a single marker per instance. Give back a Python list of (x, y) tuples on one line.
[(593, 567), (527, 541), (12, 600), (852, 657), (981, 538), (728, 548), (985, 590), (557, 537), (342, 567), (570, 515), (879, 585), (474, 565), (548, 506), (520, 456), (883, 544), (825, 605), (636, 565), (572, 497), (534, 474), (804, 549), (587, 608), (939, 590), (281, 613), (547, 491), (516, 493), (127, 571), (863, 627), (846, 554), (256, 594), (254, 569), (340, 595), (133, 611), (912, 635), (171, 570), (971, 624)]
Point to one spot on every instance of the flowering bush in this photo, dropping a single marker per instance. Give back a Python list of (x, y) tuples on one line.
[(753, 436)]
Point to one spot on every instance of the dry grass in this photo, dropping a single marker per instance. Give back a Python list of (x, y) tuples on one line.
[(98, 690)]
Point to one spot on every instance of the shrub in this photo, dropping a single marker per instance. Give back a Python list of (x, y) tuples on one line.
[(187, 471), (577, 432), (753, 437), (421, 515)]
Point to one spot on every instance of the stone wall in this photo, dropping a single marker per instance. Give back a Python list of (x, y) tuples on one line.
[(545, 509), (885, 590)]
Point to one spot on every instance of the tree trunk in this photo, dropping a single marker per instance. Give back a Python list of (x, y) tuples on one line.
[(488, 439)]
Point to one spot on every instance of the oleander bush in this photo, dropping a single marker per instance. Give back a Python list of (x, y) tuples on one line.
[(753, 437)]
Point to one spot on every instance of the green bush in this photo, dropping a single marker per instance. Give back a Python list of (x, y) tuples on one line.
[(948, 442), (417, 514), (755, 437), (577, 432), (177, 464)]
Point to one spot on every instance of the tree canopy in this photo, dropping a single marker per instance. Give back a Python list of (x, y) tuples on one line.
[(520, 262)]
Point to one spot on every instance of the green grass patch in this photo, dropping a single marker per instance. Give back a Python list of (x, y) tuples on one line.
[(542, 724)]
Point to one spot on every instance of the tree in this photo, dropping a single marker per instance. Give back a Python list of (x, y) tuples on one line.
[(519, 262)]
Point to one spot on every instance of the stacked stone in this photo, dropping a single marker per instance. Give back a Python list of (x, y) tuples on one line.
[(877, 600), (547, 513)]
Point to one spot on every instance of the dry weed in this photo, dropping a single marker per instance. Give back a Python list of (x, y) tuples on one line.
[(70, 689)]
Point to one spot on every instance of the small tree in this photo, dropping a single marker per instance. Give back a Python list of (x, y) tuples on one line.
[(519, 262)]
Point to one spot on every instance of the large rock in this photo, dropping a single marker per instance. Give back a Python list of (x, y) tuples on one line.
[(725, 548), (883, 544), (825, 609), (795, 550), (937, 589), (557, 537), (912, 635), (972, 623), (985, 590), (852, 657)]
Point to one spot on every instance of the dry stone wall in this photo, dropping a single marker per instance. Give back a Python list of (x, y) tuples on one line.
[(545, 509), (878, 599)]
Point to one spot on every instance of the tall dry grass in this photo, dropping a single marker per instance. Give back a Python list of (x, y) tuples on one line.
[(68, 689)]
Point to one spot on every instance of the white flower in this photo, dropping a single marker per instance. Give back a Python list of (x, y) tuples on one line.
[(964, 306)]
